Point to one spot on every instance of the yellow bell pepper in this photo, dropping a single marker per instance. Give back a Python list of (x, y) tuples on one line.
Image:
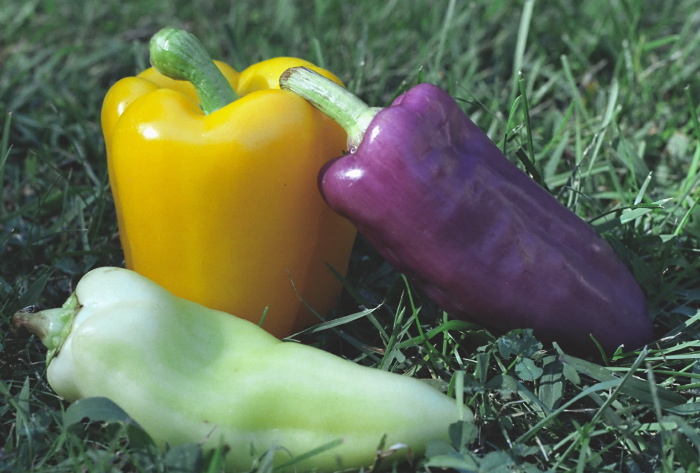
[(213, 174)]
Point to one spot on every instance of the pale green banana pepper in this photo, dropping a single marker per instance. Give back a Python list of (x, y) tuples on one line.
[(187, 374)]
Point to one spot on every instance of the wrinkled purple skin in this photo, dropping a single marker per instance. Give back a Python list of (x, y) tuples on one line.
[(444, 206)]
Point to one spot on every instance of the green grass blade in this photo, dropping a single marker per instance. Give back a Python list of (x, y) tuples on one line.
[(521, 44), (4, 153)]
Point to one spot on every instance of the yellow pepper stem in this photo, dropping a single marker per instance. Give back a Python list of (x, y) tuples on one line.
[(179, 55), (341, 105)]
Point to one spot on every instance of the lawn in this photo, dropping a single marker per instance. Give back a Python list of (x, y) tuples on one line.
[(600, 99)]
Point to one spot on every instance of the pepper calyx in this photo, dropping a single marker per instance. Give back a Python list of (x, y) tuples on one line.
[(180, 55), (52, 326), (348, 110)]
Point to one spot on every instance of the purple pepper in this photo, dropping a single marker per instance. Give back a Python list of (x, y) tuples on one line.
[(443, 205)]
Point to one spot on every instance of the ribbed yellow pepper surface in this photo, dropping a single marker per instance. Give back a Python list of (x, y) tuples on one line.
[(221, 206)]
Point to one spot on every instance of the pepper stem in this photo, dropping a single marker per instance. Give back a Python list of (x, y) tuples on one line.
[(52, 326), (338, 103), (179, 55)]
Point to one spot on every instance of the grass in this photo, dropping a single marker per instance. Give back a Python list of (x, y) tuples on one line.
[(599, 100)]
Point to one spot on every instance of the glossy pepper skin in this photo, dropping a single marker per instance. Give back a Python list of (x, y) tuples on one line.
[(443, 205), (189, 374), (222, 208)]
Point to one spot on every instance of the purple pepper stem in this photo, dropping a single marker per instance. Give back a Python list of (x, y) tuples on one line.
[(338, 103)]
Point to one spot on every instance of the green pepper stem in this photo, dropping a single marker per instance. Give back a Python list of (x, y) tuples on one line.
[(338, 103), (52, 326), (179, 55)]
